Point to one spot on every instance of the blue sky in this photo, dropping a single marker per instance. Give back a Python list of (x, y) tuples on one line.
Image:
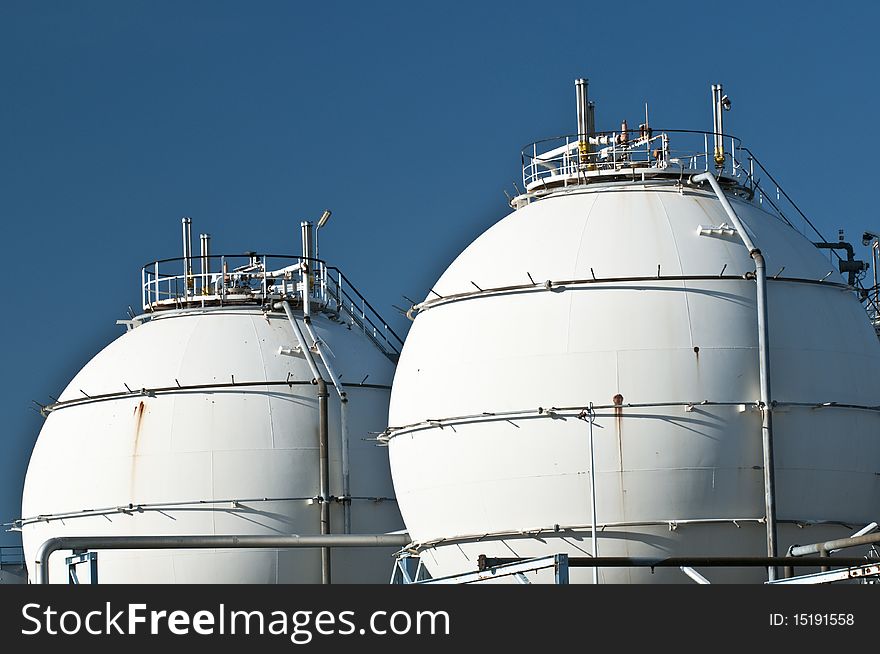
[(118, 118)]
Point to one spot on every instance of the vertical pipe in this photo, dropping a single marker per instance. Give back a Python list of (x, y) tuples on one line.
[(190, 280), (208, 257), (718, 124), (189, 261), (323, 454), (346, 468), (824, 553), (591, 119), (224, 274), (875, 258), (714, 113), (265, 271), (186, 225), (324, 475), (763, 366), (766, 405), (202, 263), (595, 538), (208, 261), (583, 109), (201, 275), (307, 256)]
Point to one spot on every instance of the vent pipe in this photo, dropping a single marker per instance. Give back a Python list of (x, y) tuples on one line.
[(186, 224), (583, 117), (720, 104), (205, 261), (308, 254)]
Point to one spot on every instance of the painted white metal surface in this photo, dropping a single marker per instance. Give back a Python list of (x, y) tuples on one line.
[(233, 460), (679, 479)]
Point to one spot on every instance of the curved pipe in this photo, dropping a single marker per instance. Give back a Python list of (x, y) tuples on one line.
[(763, 363), (206, 542), (840, 245), (854, 266)]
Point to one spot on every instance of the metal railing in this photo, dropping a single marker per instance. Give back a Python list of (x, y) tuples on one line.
[(561, 162), (244, 541), (784, 207), (564, 161), (263, 279)]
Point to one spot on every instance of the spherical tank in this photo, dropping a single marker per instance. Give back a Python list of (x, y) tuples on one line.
[(636, 297), (203, 420)]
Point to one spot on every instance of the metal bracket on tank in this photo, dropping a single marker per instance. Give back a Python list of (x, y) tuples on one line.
[(130, 324), (721, 230), (295, 351), (755, 407)]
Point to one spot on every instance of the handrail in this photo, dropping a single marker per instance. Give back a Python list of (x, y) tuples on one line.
[(369, 306), (555, 162), (264, 279), (787, 197), (623, 151), (871, 306), (280, 541)]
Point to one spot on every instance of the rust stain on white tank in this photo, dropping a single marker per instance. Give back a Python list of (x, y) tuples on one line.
[(138, 421), (138, 412)]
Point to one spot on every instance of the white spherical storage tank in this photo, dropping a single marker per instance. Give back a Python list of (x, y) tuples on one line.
[(627, 289), (204, 420)]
